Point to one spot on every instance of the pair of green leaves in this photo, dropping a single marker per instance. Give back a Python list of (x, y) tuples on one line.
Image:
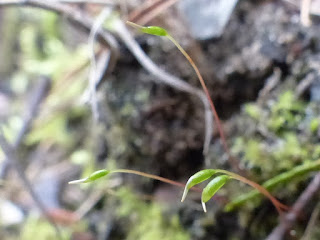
[(210, 190)]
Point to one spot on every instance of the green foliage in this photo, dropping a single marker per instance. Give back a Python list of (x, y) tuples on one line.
[(280, 147), (314, 125), (196, 179), (40, 229), (286, 113), (289, 152), (147, 221), (253, 111), (152, 30), (213, 186), (92, 177), (292, 175), (283, 151)]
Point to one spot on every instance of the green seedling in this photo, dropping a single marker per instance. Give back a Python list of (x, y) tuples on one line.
[(202, 176), (214, 186), (197, 178), (158, 31), (102, 173)]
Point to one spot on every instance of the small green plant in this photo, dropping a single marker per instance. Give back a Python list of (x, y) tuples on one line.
[(158, 31), (208, 192), (216, 183)]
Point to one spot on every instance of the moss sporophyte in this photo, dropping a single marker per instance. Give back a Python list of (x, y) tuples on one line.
[(216, 182), (208, 192)]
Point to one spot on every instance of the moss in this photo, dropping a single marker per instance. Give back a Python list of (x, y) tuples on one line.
[(42, 230), (284, 142), (286, 113), (147, 221)]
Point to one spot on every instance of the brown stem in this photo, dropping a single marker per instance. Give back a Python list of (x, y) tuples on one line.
[(278, 205), (233, 161)]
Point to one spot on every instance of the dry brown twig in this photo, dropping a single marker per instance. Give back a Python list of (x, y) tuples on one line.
[(312, 223), (149, 11), (38, 95), (10, 154), (290, 218), (94, 75)]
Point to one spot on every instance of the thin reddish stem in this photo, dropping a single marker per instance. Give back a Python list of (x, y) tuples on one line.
[(233, 161)]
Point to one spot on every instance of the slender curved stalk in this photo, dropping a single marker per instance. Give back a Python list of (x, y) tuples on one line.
[(278, 205), (101, 173), (275, 181), (233, 162), (158, 31), (147, 175)]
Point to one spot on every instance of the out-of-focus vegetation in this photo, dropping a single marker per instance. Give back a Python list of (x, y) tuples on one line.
[(151, 127)]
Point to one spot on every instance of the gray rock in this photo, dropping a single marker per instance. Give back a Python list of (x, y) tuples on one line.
[(207, 18)]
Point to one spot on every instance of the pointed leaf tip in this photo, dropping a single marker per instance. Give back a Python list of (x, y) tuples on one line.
[(92, 177), (196, 179), (213, 186), (204, 207), (78, 181), (184, 195)]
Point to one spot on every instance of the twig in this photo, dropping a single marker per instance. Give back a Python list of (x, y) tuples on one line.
[(311, 224), (93, 76), (38, 95), (148, 12), (89, 203), (290, 218), (10, 154), (305, 84), (164, 77), (79, 18), (270, 84)]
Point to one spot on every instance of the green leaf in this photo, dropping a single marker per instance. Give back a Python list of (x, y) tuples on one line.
[(210, 190), (93, 177), (153, 30), (196, 179)]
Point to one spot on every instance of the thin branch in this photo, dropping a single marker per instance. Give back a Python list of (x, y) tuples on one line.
[(147, 12), (93, 76), (10, 154), (164, 77), (38, 95), (312, 223), (290, 218)]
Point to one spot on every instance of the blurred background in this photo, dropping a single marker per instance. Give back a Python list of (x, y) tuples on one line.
[(81, 91)]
